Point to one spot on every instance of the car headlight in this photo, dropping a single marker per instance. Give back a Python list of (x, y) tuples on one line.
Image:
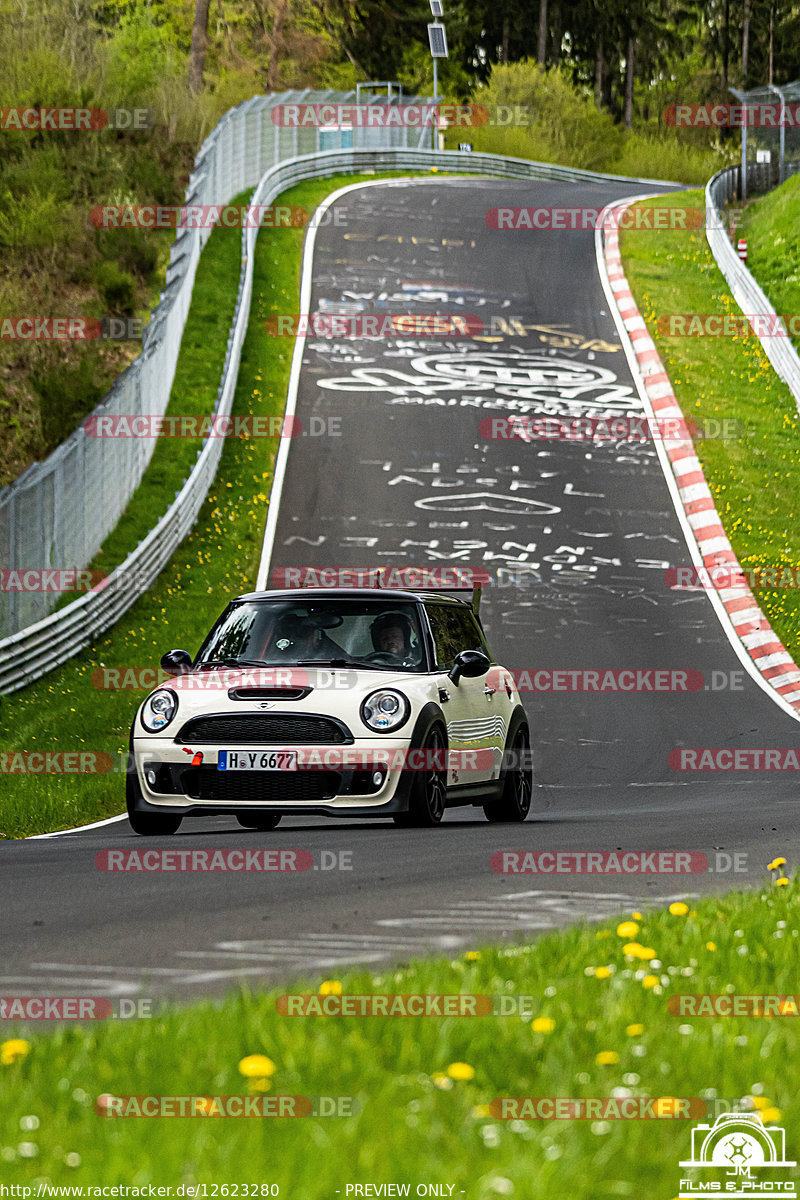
[(385, 711), (159, 709)]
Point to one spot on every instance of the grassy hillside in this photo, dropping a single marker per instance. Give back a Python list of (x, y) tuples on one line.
[(771, 225)]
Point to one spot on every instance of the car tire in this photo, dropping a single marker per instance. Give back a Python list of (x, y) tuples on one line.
[(427, 799), (144, 823), (262, 821), (514, 803)]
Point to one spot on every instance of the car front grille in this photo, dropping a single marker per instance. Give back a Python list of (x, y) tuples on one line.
[(206, 783), (264, 729)]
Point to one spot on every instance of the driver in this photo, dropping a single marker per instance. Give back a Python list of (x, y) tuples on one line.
[(299, 637), (391, 634)]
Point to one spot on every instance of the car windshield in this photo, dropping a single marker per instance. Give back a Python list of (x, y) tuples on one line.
[(380, 635)]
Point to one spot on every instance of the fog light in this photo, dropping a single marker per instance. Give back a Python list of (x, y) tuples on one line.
[(377, 778), (150, 776)]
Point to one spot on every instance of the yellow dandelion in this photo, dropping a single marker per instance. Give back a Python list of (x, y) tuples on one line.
[(330, 987), (543, 1025), (770, 1115), (650, 981), (760, 1102), (627, 929), (678, 908), (606, 1058), (461, 1070), (602, 973), (637, 916), (666, 1106), (637, 950), (14, 1051), (481, 1110), (259, 1084), (782, 882), (634, 1030), (776, 862), (711, 946), (256, 1065), (472, 955)]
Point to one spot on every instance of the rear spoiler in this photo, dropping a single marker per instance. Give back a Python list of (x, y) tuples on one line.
[(475, 591)]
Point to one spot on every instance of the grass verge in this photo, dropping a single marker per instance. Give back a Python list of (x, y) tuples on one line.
[(73, 708), (755, 476), (600, 1027), (771, 225)]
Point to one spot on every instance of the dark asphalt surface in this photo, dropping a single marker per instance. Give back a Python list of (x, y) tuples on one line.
[(411, 480)]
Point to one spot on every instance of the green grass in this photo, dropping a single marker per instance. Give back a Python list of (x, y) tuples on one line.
[(194, 391), (771, 225), (416, 1123), (65, 711), (754, 478)]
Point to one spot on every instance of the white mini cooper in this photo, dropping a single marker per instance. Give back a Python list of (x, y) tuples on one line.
[(349, 703)]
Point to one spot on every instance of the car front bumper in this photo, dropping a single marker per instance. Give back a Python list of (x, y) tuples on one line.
[(338, 783)]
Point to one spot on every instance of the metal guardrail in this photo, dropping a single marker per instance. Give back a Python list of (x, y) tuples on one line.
[(30, 653), (746, 292), (59, 512)]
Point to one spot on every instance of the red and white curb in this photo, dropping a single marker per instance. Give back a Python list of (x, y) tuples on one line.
[(768, 654)]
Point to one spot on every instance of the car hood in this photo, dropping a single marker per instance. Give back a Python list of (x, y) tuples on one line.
[(338, 691)]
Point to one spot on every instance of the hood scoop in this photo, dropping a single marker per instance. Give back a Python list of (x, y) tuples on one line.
[(269, 693)]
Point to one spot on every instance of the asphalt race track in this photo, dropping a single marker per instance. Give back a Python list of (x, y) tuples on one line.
[(584, 531)]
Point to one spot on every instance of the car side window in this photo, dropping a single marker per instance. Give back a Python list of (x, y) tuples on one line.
[(454, 629)]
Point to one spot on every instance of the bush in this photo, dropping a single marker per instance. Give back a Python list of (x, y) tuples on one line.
[(33, 222), (130, 249), (669, 158), (564, 125), (67, 393), (117, 288)]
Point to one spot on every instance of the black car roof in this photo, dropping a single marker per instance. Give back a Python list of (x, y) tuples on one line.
[(318, 593)]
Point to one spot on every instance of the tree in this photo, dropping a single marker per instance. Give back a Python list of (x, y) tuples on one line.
[(197, 54)]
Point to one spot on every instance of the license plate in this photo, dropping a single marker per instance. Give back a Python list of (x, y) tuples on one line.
[(257, 760)]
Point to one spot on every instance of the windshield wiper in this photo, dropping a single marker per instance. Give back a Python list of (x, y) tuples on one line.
[(231, 662), (338, 662)]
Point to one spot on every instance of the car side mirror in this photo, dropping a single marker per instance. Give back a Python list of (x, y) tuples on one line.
[(176, 662), (470, 664)]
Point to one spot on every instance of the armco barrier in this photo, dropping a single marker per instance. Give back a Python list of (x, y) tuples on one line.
[(60, 511), (744, 289), (38, 648)]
